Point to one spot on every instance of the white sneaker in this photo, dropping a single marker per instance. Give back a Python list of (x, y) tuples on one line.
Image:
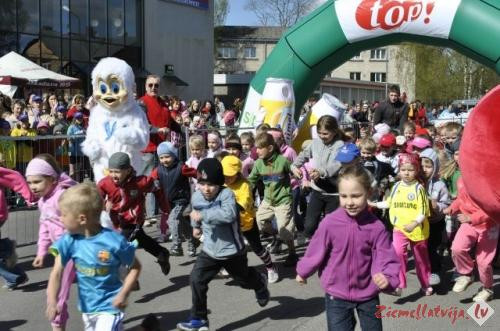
[(434, 280), (272, 275), (483, 295), (461, 283), (301, 239)]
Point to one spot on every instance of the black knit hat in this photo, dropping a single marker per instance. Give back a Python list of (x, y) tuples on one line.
[(210, 171), (119, 160)]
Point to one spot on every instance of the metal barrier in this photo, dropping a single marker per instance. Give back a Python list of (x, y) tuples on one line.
[(22, 224)]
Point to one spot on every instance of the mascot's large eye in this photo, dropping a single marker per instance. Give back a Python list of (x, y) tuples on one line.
[(103, 87), (115, 87)]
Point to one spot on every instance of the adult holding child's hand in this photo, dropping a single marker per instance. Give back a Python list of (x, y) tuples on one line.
[(380, 280)]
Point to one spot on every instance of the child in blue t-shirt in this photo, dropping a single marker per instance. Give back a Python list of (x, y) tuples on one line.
[(97, 254)]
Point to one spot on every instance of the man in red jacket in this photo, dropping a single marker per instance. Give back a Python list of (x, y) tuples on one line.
[(160, 123), (124, 194)]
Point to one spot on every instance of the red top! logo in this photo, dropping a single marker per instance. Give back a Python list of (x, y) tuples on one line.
[(391, 14)]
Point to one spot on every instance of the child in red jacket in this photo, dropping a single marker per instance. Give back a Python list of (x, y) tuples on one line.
[(124, 194)]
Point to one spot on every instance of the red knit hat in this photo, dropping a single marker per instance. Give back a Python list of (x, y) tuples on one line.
[(387, 140), (412, 159)]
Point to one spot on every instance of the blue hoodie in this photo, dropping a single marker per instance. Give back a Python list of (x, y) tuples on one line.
[(220, 224)]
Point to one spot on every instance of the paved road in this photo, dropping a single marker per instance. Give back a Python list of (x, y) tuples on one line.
[(292, 307)]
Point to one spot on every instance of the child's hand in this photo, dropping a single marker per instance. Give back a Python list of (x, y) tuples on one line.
[(197, 233), (380, 280), (462, 218), (38, 262), (195, 216), (434, 204), (314, 174), (300, 280), (109, 205), (447, 211), (297, 173), (120, 301), (372, 204), (411, 226), (52, 310)]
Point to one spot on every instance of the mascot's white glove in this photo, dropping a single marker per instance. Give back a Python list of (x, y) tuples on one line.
[(92, 149)]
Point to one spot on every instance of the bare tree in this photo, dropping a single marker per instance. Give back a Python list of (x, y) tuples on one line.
[(221, 9), (284, 13)]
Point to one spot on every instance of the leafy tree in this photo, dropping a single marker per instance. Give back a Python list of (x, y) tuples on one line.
[(443, 74)]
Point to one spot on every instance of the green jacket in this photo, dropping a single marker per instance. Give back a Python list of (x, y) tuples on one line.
[(275, 174)]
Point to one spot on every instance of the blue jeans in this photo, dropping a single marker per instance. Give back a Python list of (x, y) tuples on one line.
[(12, 276), (340, 314), (148, 166)]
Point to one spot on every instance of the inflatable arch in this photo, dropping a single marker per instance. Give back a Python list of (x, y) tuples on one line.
[(338, 30)]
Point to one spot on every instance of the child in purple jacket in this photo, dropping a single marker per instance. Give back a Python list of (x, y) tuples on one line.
[(353, 255)]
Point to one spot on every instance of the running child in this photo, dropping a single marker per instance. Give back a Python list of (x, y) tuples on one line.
[(173, 176), (408, 213), (47, 182), (9, 271), (215, 213), (353, 255), (235, 180), (322, 151), (124, 194), (274, 170), (97, 254)]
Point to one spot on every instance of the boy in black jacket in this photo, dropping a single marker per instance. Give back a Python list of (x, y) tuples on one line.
[(173, 176)]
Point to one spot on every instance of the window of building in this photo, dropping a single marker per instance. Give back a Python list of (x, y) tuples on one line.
[(50, 14), (357, 57), (378, 77), (98, 27), (116, 22), (378, 54), (250, 53), (355, 75), (226, 52), (132, 19), (28, 15)]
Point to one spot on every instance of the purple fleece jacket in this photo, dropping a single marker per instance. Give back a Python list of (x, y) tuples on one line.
[(347, 251)]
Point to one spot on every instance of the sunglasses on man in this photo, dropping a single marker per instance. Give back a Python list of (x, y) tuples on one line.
[(154, 85)]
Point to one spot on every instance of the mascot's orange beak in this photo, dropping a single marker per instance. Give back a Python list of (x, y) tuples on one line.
[(479, 161)]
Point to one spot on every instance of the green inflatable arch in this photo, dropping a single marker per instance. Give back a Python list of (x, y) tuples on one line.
[(339, 29)]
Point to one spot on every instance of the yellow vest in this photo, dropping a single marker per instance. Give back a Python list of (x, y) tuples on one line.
[(244, 198), (406, 202), (8, 150)]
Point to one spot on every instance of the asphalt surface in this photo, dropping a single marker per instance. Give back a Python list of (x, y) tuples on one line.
[(292, 307)]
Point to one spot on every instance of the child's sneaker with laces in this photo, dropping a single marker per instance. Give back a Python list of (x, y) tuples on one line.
[(461, 283), (483, 295), (193, 325)]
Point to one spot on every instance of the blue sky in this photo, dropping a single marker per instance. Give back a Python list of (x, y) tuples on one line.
[(238, 15)]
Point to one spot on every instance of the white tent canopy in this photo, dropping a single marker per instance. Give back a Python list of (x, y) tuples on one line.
[(16, 70)]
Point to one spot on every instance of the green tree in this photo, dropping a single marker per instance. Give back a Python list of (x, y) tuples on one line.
[(443, 75)]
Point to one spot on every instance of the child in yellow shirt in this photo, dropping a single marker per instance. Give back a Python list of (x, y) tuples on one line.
[(242, 190), (408, 206)]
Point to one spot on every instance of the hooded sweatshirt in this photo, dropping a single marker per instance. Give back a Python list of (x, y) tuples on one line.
[(323, 157), (220, 224), (51, 227), (436, 188), (14, 181), (347, 251)]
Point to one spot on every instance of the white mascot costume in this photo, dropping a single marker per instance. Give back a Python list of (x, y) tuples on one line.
[(117, 123)]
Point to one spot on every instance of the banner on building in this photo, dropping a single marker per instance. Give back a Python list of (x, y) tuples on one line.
[(202, 4)]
